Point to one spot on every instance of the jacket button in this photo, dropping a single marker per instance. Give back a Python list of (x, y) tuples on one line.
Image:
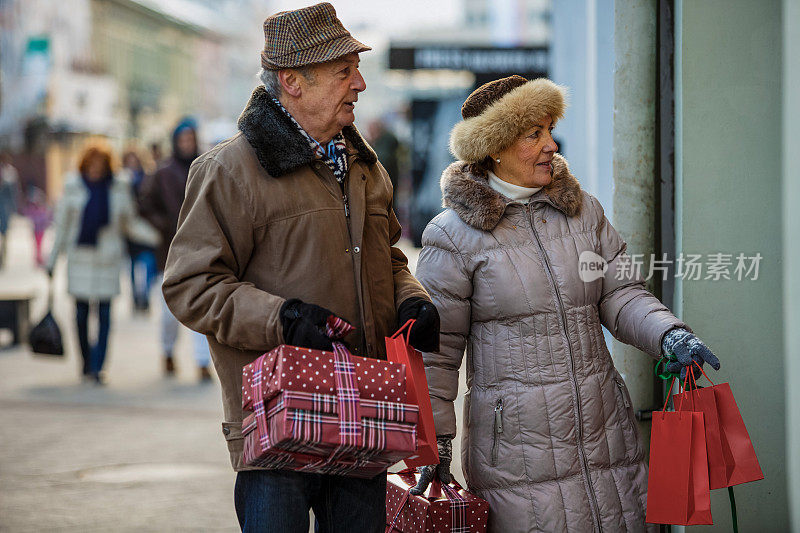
[(363, 177), (226, 431), (356, 249)]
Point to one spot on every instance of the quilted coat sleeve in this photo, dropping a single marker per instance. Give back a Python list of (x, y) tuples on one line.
[(210, 250), (631, 313), (443, 272)]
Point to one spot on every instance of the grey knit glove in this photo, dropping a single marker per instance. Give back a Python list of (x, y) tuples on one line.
[(442, 470), (688, 349)]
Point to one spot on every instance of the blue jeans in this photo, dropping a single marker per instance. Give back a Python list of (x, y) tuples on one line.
[(143, 272), (93, 355), (278, 501)]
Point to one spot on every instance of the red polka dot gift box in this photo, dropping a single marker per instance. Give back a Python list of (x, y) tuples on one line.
[(306, 370), (442, 509), (326, 412)]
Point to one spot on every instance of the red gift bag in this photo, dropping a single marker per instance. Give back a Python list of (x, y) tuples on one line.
[(704, 400), (677, 482), (398, 350), (737, 455)]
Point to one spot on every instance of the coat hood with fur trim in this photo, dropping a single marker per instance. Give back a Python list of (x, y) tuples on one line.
[(279, 145), (480, 206)]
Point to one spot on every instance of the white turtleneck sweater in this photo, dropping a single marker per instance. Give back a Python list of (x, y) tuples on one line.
[(511, 191)]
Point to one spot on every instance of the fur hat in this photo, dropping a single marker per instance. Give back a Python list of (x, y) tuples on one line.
[(498, 112)]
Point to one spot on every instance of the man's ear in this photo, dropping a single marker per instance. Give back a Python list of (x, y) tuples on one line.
[(290, 81)]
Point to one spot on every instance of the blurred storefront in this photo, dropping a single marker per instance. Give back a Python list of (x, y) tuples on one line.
[(498, 39), (121, 70)]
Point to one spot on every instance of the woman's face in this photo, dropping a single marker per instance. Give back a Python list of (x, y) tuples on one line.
[(96, 169), (528, 161)]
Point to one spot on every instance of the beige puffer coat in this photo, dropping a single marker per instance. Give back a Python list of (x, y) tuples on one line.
[(549, 436)]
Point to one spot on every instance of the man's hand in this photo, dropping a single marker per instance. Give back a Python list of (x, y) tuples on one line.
[(424, 334), (441, 471), (304, 325), (688, 349)]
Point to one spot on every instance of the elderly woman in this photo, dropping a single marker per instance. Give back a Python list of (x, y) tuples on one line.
[(549, 436), (93, 215)]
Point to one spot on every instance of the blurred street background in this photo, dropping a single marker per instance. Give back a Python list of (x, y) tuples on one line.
[(684, 121)]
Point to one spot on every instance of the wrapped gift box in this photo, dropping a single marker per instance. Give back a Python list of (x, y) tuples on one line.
[(296, 424), (306, 370), (442, 509)]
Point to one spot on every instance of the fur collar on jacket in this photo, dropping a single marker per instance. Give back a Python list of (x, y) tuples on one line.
[(279, 146), (480, 206)]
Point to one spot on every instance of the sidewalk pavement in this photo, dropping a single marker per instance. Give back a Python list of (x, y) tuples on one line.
[(142, 453)]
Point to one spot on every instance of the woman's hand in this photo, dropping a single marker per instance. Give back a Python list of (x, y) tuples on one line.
[(442, 470), (688, 349)]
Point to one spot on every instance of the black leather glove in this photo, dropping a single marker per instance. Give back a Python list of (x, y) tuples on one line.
[(424, 334), (441, 471), (304, 325), (688, 349)]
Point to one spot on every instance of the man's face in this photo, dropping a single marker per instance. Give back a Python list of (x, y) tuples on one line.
[(331, 92)]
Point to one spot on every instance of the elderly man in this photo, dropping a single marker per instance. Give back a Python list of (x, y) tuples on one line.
[(288, 222)]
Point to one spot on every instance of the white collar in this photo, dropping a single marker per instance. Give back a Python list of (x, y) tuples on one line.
[(511, 191)]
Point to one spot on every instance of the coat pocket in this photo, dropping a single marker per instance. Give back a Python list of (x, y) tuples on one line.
[(629, 414), (498, 429)]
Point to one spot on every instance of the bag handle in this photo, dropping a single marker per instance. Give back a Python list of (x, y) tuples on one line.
[(407, 327), (669, 394), (704, 372)]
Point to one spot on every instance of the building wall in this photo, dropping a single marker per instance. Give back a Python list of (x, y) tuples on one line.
[(152, 58), (791, 244), (729, 172)]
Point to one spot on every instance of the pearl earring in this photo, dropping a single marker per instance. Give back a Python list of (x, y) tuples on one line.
[(498, 160)]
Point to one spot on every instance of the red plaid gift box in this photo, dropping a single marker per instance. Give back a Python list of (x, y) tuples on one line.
[(326, 412), (306, 370), (442, 509)]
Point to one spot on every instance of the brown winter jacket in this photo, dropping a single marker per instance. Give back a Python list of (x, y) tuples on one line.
[(549, 436), (263, 222)]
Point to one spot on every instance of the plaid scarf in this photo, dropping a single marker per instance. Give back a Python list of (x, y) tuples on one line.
[(336, 154)]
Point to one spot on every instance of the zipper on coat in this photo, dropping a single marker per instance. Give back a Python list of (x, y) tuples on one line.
[(577, 395), (498, 428), (359, 293)]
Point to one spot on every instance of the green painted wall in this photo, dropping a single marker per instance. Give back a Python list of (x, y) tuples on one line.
[(731, 174), (791, 245)]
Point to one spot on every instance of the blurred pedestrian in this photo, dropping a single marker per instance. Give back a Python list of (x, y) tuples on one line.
[(286, 223), (387, 147), (155, 153), (160, 202), (143, 257), (9, 181), (96, 211), (40, 214)]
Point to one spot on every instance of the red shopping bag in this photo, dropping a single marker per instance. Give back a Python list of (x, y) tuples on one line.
[(704, 400), (738, 454), (399, 351), (677, 482)]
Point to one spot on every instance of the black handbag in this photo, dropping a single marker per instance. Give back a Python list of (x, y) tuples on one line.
[(45, 337)]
